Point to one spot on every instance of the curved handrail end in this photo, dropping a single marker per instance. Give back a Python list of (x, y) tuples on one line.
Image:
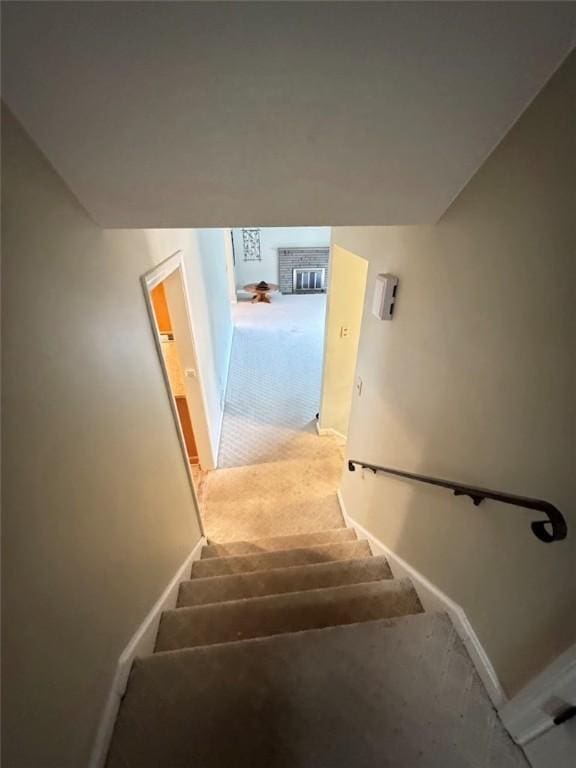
[(540, 528)]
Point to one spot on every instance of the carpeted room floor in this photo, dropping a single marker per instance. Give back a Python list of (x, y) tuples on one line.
[(277, 476), (275, 378)]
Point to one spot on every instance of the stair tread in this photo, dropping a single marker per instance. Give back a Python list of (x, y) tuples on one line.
[(217, 566), (273, 543), (213, 589), (274, 614), (340, 696), (259, 516)]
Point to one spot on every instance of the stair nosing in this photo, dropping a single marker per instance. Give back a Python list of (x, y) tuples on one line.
[(374, 589), (377, 582), (263, 539), (292, 592), (287, 567), (274, 638), (276, 552), (191, 589), (221, 588), (280, 536)]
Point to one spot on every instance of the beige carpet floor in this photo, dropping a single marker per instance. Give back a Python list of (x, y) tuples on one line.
[(277, 498), (277, 477), (274, 381)]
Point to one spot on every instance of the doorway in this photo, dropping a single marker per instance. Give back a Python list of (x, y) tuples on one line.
[(174, 368), (166, 297)]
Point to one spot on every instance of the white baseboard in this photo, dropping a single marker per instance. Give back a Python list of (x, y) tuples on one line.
[(141, 644), (433, 599), (323, 431)]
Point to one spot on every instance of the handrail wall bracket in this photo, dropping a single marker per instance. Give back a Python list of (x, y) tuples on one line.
[(554, 528)]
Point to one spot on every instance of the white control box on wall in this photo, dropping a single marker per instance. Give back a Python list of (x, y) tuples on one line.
[(384, 296)]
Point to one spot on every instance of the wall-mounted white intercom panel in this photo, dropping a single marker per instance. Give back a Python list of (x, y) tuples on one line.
[(384, 296)]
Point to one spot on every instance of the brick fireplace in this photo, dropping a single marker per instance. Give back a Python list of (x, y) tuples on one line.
[(303, 270)]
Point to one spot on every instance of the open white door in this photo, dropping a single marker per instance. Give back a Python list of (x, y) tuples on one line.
[(184, 340), (541, 716)]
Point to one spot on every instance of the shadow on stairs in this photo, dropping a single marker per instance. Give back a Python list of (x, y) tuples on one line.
[(303, 652)]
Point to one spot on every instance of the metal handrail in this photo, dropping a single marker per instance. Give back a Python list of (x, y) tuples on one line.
[(540, 528)]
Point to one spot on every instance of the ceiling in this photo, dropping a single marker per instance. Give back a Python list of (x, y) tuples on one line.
[(178, 114)]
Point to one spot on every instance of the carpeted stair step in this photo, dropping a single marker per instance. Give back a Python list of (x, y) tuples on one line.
[(272, 514), (262, 561), (297, 578), (291, 612), (391, 693), (274, 543)]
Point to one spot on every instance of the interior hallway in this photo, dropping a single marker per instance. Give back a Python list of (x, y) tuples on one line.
[(273, 464), (274, 380)]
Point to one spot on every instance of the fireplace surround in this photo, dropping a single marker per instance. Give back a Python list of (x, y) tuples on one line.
[(303, 270)]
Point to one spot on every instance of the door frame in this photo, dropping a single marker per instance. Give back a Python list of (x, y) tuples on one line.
[(321, 427), (230, 265), (149, 280), (529, 714)]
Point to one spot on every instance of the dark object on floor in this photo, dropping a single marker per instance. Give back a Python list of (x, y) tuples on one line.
[(260, 291)]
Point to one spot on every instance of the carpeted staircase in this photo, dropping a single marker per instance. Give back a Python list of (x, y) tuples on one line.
[(303, 651)]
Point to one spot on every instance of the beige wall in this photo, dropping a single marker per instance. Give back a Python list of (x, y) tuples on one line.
[(347, 284), (474, 379), (98, 513)]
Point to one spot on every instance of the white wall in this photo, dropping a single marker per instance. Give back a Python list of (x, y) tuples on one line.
[(98, 513), (208, 284), (272, 238), (230, 273), (474, 380), (345, 304), (206, 264)]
